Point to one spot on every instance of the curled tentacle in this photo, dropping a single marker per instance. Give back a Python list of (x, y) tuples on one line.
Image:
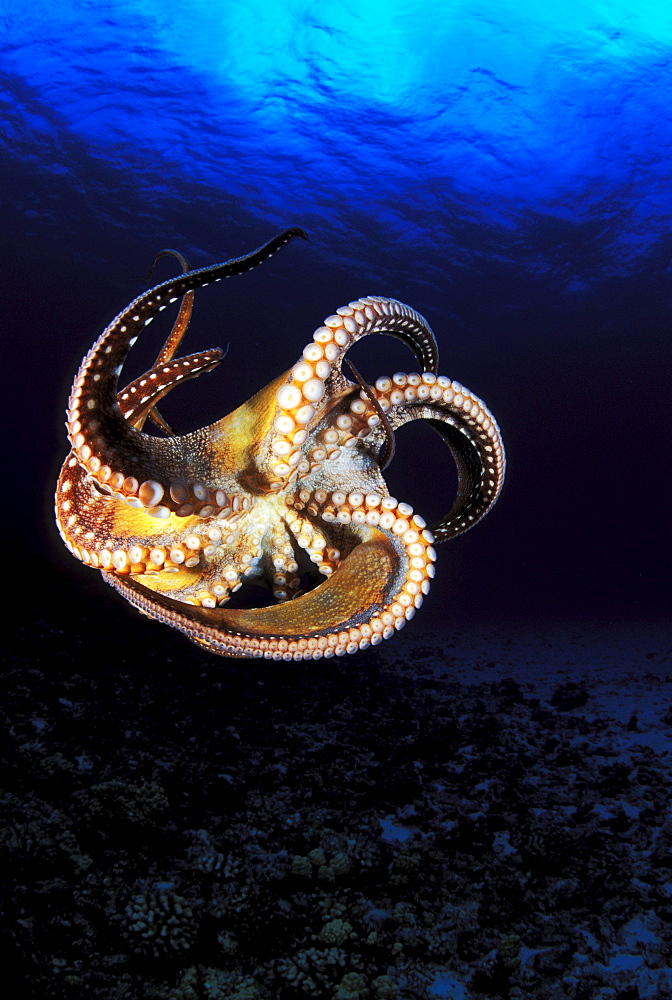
[(458, 416), (468, 428), (115, 454), (174, 338), (316, 380), (369, 596), (179, 257)]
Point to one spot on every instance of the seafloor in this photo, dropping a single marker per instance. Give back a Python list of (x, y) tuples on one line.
[(480, 816)]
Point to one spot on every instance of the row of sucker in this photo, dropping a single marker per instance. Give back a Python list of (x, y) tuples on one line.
[(240, 557), (114, 453), (355, 508), (304, 394), (145, 559), (309, 538), (285, 576), (406, 396), (408, 533)]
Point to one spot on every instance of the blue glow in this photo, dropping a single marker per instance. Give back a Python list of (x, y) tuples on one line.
[(394, 832), (445, 985), (413, 113)]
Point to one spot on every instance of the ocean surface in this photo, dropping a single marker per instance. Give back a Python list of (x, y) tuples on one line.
[(505, 168)]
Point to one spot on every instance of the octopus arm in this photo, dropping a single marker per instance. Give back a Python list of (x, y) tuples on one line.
[(307, 392), (480, 475), (472, 435), (181, 323), (457, 415), (103, 441), (173, 340), (141, 396), (469, 430), (372, 594)]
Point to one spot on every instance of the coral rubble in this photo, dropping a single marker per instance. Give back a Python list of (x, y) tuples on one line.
[(185, 830)]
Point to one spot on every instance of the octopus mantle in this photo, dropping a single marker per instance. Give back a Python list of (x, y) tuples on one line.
[(284, 491)]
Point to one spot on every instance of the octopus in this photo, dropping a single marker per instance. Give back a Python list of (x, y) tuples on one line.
[(286, 491)]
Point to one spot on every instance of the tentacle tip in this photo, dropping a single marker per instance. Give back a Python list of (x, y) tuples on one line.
[(184, 264)]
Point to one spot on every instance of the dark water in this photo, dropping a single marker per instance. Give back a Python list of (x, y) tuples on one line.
[(505, 170)]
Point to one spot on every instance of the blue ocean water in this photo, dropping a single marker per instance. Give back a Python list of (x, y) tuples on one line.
[(420, 118), (504, 167)]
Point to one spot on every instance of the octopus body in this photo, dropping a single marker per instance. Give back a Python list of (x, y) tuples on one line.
[(285, 490)]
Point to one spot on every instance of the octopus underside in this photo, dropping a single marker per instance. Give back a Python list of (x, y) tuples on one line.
[(284, 491)]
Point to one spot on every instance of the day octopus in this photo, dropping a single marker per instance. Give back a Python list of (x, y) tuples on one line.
[(285, 491)]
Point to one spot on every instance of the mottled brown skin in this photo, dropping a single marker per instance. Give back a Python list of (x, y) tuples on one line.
[(285, 488)]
